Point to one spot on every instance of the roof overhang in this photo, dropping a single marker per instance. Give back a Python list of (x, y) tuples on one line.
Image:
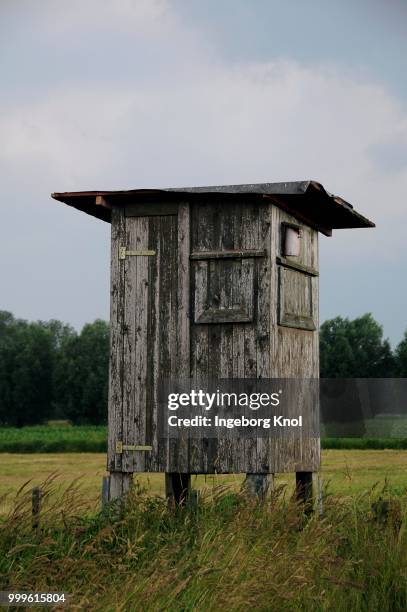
[(306, 200)]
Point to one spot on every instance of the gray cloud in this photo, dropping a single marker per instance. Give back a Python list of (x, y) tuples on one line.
[(390, 155), (135, 97)]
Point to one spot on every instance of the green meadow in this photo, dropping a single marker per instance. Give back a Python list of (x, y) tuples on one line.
[(344, 473), (229, 552)]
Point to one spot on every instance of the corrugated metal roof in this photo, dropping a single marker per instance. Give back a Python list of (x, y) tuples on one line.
[(308, 200)]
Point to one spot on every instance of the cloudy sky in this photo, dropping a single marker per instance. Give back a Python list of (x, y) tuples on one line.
[(119, 94)]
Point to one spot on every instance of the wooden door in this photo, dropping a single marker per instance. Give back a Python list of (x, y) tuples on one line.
[(146, 312)]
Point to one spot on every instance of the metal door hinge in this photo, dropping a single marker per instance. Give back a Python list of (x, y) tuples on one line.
[(120, 447), (123, 253)]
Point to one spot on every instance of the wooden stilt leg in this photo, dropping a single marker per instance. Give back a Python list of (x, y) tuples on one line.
[(319, 503), (105, 490), (303, 489), (177, 488), (119, 484), (257, 485)]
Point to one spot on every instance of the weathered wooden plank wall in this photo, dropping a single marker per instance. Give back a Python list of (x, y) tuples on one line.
[(117, 309), (219, 317), (230, 348), (294, 352)]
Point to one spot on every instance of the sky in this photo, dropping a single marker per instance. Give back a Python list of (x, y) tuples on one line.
[(125, 94)]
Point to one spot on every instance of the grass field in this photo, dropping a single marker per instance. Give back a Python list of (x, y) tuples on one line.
[(230, 553), (345, 473)]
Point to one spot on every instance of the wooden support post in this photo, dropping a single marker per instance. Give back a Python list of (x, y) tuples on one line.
[(177, 488), (119, 484), (105, 490), (319, 503), (303, 489), (36, 507), (257, 485)]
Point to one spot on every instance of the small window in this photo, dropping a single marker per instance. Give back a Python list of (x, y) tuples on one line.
[(224, 290), (291, 240)]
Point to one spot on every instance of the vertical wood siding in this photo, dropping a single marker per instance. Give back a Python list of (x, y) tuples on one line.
[(212, 318)]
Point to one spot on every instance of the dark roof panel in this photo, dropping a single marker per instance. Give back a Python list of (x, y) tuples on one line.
[(307, 200)]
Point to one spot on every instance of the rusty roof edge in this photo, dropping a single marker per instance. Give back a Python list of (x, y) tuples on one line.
[(337, 200), (320, 188), (282, 188), (367, 222), (288, 188)]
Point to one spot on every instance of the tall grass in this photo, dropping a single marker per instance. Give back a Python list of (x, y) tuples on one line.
[(229, 554)]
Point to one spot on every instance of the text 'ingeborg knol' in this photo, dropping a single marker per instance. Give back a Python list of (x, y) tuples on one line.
[(231, 423)]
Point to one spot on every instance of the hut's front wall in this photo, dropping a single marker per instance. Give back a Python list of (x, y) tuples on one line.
[(190, 310)]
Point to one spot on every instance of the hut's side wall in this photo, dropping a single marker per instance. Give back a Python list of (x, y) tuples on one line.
[(294, 351)]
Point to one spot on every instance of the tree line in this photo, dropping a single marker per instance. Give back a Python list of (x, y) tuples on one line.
[(50, 371)]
